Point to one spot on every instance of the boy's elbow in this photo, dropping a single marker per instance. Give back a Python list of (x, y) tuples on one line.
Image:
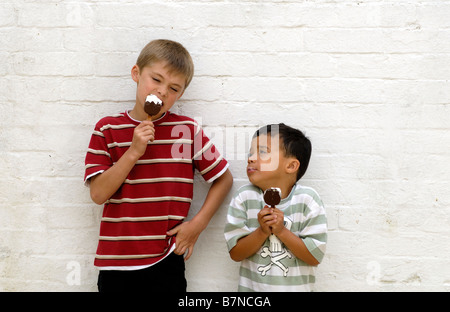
[(314, 262), (95, 190), (98, 201), (97, 197), (235, 257)]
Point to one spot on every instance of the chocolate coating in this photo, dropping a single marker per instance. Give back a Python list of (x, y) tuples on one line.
[(272, 196), (152, 108)]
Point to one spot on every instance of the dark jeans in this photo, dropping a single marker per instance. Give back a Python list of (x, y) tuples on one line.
[(165, 276)]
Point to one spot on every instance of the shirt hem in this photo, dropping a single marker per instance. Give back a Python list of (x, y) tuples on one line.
[(135, 267)]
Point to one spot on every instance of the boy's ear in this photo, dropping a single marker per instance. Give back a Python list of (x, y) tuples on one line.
[(293, 165), (135, 73)]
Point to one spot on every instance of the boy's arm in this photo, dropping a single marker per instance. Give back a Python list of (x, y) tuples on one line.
[(250, 244), (271, 221), (188, 232), (294, 243), (104, 185)]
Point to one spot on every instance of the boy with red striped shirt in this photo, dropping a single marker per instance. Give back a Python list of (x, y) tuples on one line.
[(143, 172)]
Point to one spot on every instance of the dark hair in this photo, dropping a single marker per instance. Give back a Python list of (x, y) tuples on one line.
[(293, 141)]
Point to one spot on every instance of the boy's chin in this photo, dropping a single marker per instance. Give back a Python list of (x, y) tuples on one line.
[(255, 182)]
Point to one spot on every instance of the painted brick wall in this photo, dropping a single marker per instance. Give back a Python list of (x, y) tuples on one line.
[(368, 81)]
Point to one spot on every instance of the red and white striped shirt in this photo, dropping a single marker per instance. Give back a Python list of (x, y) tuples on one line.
[(157, 193)]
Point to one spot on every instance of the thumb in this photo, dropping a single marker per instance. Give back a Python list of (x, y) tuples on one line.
[(189, 253), (172, 231)]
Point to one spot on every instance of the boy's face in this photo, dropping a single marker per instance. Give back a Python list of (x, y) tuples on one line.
[(160, 80), (265, 164)]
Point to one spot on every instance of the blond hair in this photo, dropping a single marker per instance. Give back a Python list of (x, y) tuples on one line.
[(172, 52)]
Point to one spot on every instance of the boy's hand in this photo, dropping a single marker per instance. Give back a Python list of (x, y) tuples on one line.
[(265, 219), (143, 133), (187, 234), (277, 224)]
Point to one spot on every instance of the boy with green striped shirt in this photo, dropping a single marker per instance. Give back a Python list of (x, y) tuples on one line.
[(279, 247)]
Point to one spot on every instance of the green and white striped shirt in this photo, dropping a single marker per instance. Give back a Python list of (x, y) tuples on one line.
[(274, 267)]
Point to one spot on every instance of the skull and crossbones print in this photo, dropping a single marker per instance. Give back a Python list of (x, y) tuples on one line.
[(276, 252)]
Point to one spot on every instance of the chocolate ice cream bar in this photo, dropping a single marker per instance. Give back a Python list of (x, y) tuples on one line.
[(152, 105), (272, 196)]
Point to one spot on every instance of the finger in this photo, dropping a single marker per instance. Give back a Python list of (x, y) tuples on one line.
[(143, 124), (264, 212), (189, 253), (270, 223), (147, 132), (279, 213), (150, 138), (269, 216), (142, 128), (276, 210), (172, 232), (179, 250)]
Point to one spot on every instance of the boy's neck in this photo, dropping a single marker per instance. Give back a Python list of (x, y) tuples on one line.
[(285, 188)]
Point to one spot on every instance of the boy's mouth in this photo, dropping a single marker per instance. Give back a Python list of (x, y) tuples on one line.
[(152, 105)]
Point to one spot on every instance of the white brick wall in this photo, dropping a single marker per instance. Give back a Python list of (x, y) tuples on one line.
[(368, 81)]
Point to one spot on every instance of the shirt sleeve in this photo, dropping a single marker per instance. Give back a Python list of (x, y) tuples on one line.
[(207, 159), (236, 226), (98, 158), (314, 232)]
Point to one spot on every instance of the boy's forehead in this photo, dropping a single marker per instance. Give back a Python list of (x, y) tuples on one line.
[(266, 140), (157, 66), (161, 64)]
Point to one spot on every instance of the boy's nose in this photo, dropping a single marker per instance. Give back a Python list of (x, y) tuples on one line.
[(162, 91)]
